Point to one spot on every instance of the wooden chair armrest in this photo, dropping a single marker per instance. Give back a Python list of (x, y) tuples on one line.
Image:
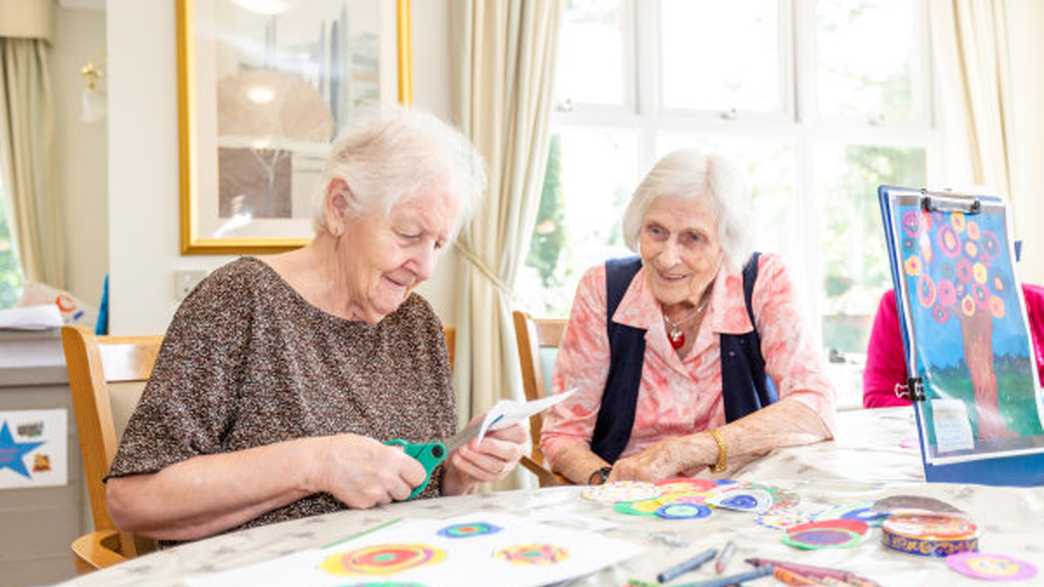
[(95, 551), (546, 477)]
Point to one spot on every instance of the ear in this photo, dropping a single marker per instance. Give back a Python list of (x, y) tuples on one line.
[(335, 205)]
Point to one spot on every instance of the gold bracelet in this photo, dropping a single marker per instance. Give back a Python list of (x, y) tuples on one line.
[(723, 452)]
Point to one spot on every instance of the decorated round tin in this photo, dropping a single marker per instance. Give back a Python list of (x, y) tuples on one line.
[(930, 534)]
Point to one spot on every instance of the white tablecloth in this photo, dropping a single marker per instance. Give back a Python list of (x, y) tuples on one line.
[(874, 456)]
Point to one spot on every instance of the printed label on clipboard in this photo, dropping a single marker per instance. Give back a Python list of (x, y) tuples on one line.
[(953, 430)]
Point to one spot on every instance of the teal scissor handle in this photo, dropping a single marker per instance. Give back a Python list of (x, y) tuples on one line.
[(429, 454)]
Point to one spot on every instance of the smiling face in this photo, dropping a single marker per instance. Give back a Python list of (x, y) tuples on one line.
[(680, 249), (385, 256)]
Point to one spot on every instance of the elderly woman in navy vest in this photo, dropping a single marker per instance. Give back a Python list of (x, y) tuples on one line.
[(691, 355)]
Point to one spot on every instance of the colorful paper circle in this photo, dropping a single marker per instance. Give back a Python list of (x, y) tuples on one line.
[(686, 485), (683, 511), (469, 530), (860, 513), (826, 534), (621, 491), (536, 555), (645, 507), (992, 567), (782, 518), (383, 559)]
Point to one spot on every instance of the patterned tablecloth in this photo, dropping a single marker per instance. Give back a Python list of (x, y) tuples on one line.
[(875, 455)]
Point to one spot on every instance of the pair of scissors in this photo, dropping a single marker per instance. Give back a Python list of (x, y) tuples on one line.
[(434, 453)]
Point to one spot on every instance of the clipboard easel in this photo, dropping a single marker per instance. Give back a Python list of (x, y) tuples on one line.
[(977, 401)]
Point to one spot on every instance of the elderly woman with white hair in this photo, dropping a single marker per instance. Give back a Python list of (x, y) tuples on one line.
[(281, 378), (691, 355)]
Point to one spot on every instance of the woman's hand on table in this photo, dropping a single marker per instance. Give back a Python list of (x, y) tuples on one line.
[(480, 462), (665, 459), (362, 472)]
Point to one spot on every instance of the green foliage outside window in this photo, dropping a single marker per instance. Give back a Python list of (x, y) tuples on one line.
[(10, 271)]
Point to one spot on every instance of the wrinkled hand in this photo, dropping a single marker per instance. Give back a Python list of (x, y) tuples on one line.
[(362, 472), (660, 461), (486, 461)]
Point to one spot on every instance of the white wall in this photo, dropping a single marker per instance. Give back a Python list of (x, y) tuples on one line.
[(81, 175), (1025, 47), (143, 158)]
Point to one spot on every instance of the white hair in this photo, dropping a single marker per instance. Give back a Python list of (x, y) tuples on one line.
[(694, 174), (393, 153)]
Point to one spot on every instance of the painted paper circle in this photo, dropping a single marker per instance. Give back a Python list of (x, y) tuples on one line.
[(469, 530), (859, 513), (815, 539), (744, 500), (383, 559), (645, 507), (535, 555), (992, 567), (782, 518), (683, 511), (621, 491)]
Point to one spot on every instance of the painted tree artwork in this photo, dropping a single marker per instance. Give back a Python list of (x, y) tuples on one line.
[(966, 312)]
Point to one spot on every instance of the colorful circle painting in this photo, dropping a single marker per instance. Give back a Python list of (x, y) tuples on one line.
[(782, 518), (683, 511), (826, 534), (992, 567), (469, 530), (644, 507), (535, 555), (383, 559), (686, 485), (861, 513)]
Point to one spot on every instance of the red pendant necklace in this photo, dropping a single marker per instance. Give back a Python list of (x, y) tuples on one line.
[(675, 335)]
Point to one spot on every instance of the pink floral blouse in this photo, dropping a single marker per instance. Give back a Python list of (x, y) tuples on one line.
[(681, 396)]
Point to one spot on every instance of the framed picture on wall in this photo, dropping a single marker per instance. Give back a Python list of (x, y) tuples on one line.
[(263, 88)]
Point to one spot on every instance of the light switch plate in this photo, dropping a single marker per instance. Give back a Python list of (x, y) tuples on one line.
[(185, 281)]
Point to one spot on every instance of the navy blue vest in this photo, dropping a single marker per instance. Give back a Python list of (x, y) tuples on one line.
[(745, 387)]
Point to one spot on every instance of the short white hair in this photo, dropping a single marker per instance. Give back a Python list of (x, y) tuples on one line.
[(393, 153), (694, 174)]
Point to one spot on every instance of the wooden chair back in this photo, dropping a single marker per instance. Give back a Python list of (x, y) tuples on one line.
[(532, 335), (106, 376)]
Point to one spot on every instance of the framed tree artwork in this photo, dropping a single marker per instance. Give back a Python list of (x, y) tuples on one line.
[(264, 86)]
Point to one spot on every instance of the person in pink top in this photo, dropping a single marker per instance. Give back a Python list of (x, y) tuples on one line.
[(669, 351), (885, 362)]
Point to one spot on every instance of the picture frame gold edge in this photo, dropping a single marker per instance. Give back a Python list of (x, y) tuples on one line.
[(190, 243)]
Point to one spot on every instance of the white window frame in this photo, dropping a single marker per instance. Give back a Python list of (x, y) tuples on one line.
[(799, 125)]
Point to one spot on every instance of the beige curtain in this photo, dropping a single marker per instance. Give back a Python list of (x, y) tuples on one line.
[(970, 49), (26, 166), (503, 54)]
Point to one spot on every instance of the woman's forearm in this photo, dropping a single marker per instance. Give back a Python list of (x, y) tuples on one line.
[(211, 493), (785, 423), (576, 462)]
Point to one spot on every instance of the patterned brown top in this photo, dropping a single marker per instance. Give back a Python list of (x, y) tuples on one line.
[(248, 362)]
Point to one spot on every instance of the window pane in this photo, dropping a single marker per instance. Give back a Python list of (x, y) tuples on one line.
[(721, 55), (855, 257), (10, 270), (590, 177), (591, 53), (867, 52)]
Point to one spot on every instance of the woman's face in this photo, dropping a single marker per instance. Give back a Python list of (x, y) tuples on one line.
[(385, 256), (679, 248)]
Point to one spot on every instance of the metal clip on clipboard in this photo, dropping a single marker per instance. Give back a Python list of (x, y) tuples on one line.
[(913, 390), (946, 201)]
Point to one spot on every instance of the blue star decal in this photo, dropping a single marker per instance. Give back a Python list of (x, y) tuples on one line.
[(11, 452)]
